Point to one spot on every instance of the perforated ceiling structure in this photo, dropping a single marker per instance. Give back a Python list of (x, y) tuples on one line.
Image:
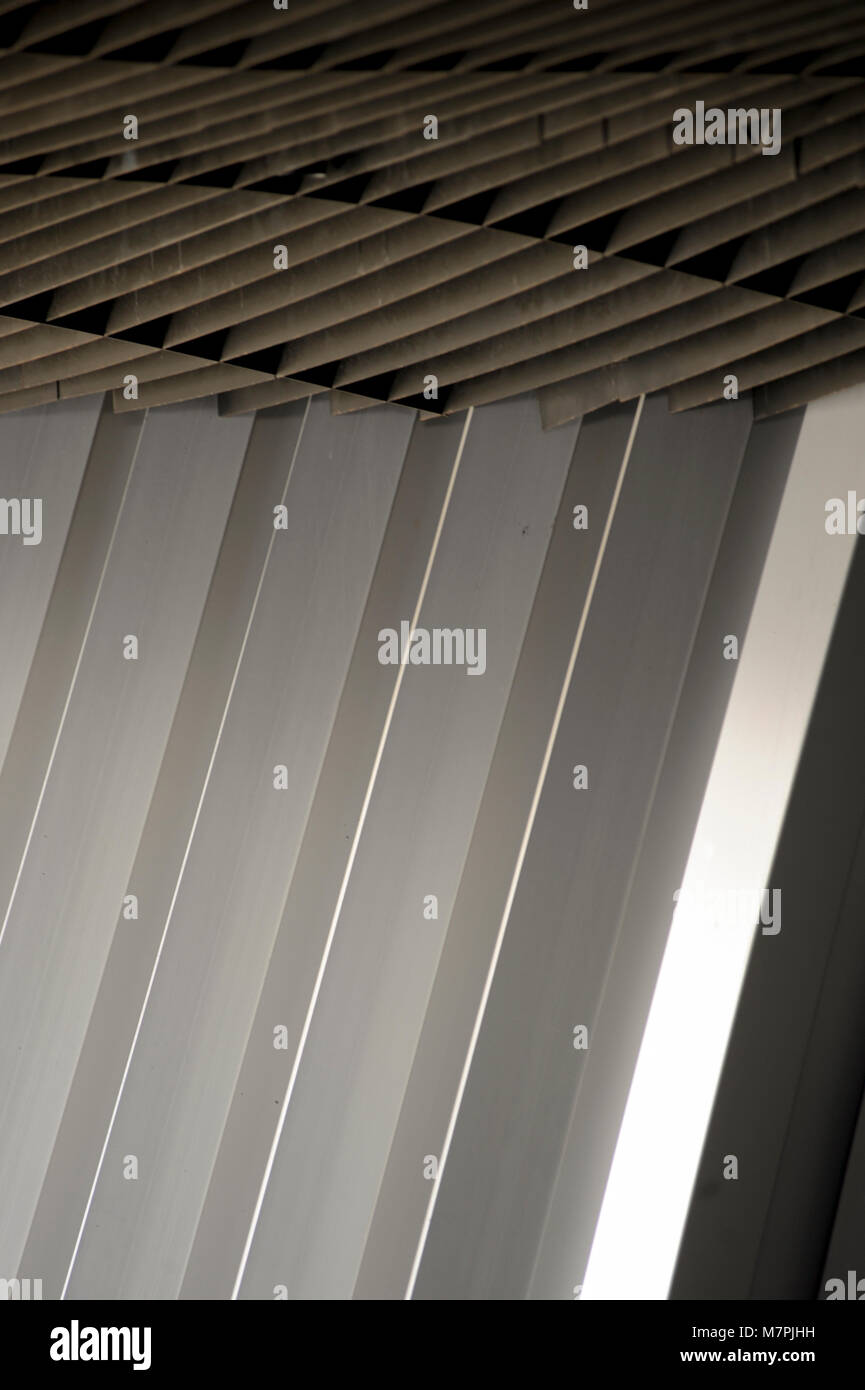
[(148, 251)]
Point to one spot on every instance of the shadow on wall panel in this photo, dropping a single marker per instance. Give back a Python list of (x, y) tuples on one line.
[(510, 1152), (84, 540), (623, 1006), (790, 1092)]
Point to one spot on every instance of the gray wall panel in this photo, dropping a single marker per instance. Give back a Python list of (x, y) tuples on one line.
[(561, 931), (61, 914), (467, 952), (298, 1171), (240, 855), (700, 983), (51, 673), (99, 1073), (608, 1067), (409, 542), (356, 1062), (42, 456)]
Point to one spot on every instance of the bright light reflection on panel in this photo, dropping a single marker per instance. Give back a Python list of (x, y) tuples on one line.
[(718, 916)]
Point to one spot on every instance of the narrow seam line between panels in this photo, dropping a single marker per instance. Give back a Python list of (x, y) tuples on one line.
[(518, 867), (74, 680), (280, 1124), (182, 869)]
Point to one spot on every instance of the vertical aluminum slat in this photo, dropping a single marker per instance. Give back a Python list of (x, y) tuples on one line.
[(693, 1006), (127, 971), (51, 671), (324, 855), (362, 1034), (42, 457), (61, 913), (238, 861), (429, 1095), (794, 1065), (575, 1198), (562, 927)]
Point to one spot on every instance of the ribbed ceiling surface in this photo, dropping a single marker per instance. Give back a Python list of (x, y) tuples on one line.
[(409, 257)]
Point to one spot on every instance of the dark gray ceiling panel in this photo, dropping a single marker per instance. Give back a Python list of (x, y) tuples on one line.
[(308, 128)]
